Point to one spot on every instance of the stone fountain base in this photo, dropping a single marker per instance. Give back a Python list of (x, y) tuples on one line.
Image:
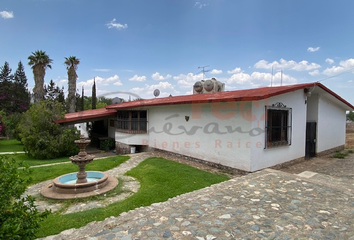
[(60, 190)]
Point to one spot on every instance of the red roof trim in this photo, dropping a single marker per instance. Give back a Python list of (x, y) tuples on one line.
[(87, 115), (238, 95)]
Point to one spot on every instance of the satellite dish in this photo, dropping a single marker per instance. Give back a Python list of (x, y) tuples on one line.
[(156, 92)]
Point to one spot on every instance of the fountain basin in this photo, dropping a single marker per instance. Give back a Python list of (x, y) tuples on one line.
[(67, 183), (65, 186)]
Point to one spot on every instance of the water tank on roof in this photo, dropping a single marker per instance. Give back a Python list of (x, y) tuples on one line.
[(208, 86)]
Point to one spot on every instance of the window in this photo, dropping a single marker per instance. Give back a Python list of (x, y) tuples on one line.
[(132, 121), (278, 125)]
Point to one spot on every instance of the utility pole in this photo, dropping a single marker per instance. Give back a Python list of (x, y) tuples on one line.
[(281, 77)]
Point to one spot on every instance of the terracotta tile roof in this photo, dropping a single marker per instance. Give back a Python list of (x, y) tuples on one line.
[(86, 115), (238, 95)]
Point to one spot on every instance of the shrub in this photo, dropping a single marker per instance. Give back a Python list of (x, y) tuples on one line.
[(12, 121), (19, 218), (2, 123), (41, 137)]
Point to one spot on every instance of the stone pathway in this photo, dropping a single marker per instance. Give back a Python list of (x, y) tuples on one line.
[(269, 204), (10, 153), (130, 186)]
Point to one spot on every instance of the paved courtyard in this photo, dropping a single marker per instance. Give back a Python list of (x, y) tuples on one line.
[(269, 204)]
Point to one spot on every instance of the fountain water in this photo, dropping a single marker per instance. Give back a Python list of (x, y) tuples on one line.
[(81, 184)]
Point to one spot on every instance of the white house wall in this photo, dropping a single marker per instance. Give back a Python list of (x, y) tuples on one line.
[(263, 158), (211, 141), (111, 130), (331, 125), (312, 108), (82, 128)]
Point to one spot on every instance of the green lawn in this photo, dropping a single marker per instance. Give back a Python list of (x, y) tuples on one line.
[(11, 145), (160, 180), (31, 161)]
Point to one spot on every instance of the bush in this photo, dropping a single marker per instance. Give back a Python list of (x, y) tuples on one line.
[(12, 121), (44, 139), (19, 218), (2, 124)]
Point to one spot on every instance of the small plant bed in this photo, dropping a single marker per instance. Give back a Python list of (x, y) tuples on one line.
[(50, 172), (11, 145), (160, 179), (342, 154)]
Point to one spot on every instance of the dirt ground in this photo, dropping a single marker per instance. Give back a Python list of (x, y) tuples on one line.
[(340, 168), (349, 143)]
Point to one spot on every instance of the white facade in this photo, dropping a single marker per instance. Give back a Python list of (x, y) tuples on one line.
[(233, 133), (331, 124)]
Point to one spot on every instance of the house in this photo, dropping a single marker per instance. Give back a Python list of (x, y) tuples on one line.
[(244, 129)]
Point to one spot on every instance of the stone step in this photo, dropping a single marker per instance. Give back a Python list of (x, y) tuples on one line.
[(330, 181)]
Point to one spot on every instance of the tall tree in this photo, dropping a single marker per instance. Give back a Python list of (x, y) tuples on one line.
[(6, 84), (39, 61), (72, 63), (22, 99), (94, 98), (82, 99), (54, 93)]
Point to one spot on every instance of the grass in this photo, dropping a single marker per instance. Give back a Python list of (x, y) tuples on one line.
[(342, 154), (11, 145), (160, 179), (31, 161), (45, 173)]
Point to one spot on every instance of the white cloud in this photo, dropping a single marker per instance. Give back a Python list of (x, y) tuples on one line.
[(239, 78), (187, 81), (114, 24), (101, 81), (200, 5), (314, 73), (137, 78), (260, 79), (344, 66), (329, 61), (101, 85), (313, 49), (6, 14), (284, 64), (156, 76), (216, 71), (236, 70), (147, 91)]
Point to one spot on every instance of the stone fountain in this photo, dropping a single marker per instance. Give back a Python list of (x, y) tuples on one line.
[(80, 184), (82, 159)]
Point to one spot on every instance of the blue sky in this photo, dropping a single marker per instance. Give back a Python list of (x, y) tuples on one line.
[(142, 45)]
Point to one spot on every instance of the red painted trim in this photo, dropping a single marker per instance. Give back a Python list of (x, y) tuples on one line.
[(238, 95)]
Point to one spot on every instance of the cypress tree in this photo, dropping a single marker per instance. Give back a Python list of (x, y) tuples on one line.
[(6, 86), (21, 94), (54, 93), (94, 98), (82, 99)]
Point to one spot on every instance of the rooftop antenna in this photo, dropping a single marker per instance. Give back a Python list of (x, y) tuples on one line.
[(281, 77), (271, 80), (204, 71)]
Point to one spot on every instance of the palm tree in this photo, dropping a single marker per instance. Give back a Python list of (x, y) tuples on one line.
[(39, 61), (71, 65)]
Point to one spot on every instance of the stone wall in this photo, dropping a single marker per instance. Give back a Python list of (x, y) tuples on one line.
[(122, 148)]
